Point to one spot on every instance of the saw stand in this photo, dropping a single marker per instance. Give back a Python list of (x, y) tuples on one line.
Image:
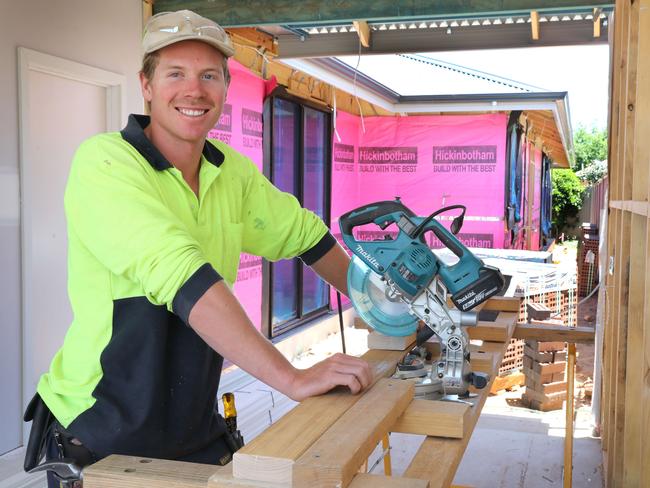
[(326, 440)]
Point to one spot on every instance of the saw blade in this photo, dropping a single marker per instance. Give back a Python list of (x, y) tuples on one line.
[(368, 295)]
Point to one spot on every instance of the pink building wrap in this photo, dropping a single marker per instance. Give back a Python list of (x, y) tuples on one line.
[(241, 127), (427, 161)]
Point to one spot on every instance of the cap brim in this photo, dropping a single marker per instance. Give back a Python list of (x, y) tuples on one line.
[(225, 49)]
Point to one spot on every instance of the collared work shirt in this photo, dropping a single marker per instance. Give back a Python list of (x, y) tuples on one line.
[(132, 377)]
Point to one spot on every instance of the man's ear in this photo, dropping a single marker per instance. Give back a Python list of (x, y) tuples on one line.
[(145, 87)]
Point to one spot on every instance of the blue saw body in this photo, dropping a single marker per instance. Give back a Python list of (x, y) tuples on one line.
[(407, 262)]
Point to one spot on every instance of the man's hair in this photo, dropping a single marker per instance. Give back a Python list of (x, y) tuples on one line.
[(150, 62)]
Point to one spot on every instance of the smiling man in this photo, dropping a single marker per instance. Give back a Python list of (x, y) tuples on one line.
[(157, 218)]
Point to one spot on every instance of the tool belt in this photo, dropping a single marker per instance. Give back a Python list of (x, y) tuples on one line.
[(69, 457), (42, 419)]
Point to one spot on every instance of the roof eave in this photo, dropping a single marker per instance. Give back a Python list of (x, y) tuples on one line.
[(341, 76)]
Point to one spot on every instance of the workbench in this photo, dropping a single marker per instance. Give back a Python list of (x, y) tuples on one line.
[(324, 441)]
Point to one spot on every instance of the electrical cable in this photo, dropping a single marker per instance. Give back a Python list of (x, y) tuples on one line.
[(338, 302), (418, 229)]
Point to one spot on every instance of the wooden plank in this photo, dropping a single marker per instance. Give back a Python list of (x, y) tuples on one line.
[(568, 431), (287, 439), (597, 12), (634, 206), (253, 37), (506, 382), (136, 472), (635, 383), (366, 480), (480, 360), (434, 418), (534, 25), (437, 459), (645, 393), (503, 304), (377, 340), (335, 457), (359, 323), (363, 31), (497, 331), (627, 102), (546, 333)]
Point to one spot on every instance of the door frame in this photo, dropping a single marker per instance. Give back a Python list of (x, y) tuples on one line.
[(115, 86)]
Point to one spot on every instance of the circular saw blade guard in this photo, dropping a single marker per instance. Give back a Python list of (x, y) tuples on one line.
[(368, 295)]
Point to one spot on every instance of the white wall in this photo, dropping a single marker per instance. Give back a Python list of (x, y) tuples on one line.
[(101, 33)]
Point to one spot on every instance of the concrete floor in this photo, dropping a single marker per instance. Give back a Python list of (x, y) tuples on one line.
[(515, 447)]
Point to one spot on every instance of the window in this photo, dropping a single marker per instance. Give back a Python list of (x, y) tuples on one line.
[(297, 160)]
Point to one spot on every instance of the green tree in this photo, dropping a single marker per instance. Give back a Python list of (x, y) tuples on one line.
[(567, 197), (589, 146), (592, 173)]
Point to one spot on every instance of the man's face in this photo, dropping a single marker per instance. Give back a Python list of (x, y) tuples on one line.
[(187, 91)]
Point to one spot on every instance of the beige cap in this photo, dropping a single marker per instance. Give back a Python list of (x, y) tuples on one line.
[(167, 28)]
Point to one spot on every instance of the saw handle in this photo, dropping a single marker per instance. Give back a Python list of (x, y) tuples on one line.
[(371, 213), (448, 240)]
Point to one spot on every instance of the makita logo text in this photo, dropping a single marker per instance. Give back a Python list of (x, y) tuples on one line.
[(362, 252), (251, 123), (225, 120)]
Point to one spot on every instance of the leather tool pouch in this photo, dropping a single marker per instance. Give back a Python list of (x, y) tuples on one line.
[(41, 418)]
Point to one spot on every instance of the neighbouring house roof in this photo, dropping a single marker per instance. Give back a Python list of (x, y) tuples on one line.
[(546, 113)]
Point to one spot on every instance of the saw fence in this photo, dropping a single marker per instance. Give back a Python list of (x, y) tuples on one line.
[(325, 441)]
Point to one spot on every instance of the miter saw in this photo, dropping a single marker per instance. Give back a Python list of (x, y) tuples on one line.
[(396, 282)]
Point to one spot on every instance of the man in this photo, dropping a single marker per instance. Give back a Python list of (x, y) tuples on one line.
[(157, 217)]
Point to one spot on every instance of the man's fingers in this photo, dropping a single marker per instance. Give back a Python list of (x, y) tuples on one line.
[(350, 365), (350, 381)]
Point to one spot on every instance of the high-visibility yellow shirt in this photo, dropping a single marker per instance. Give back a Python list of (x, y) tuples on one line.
[(132, 377)]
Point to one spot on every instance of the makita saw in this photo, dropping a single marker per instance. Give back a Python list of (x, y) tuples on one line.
[(396, 282)]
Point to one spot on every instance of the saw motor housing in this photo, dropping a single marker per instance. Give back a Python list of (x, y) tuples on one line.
[(396, 282)]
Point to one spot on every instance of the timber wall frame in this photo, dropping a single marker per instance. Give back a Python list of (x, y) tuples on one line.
[(625, 414)]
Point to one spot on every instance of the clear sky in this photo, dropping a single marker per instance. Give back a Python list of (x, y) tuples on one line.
[(582, 71)]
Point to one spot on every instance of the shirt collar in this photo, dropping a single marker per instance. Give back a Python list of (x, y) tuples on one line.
[(134, 134)]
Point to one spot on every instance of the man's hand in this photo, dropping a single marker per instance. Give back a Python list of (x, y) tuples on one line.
[(221, 321), (337, 370)]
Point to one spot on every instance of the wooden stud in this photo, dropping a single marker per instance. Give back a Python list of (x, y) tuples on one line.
[(335, 457), (287, 439), (504, 304), (568, 431), (497, 331), (363, 31), (434, 418), (507, 382), (375, 481), (597, 12), (377, 340), (254, 37), (534, 25), (547, 333), (385, 445), (634, 206), (131, 472)]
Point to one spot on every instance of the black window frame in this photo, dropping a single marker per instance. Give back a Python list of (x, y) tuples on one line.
[(268, 329)]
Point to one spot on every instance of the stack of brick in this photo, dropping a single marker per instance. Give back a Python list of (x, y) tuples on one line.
[(544, 365), (544, 368), (588, 260)]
